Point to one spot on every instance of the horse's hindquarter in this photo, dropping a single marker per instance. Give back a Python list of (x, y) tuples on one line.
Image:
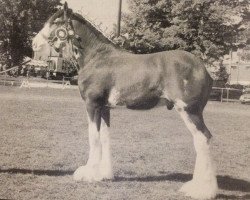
[(185, 77)]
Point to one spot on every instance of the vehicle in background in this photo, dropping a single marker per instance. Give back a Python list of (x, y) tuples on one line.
[(245, 97)]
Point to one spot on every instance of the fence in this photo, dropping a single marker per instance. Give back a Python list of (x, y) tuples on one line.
[(29, 82), (34, 82), (226, 94)]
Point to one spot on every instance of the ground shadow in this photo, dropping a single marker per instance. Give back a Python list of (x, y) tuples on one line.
[(37, 172), (224, 196), (233, 184), (6, 199), (224, 182), (177, 177)]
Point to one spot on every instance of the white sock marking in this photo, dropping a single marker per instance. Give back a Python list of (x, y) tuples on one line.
[(95, 145), (204, 183), (106, 161), (99, 164)]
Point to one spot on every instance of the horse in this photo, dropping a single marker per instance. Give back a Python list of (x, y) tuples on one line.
[(109, 76)]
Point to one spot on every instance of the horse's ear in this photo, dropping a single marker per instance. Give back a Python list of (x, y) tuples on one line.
[(65, 7), (65, 10)]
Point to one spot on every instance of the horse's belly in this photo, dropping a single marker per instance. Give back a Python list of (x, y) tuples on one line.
[(143, 104), (138, 99)]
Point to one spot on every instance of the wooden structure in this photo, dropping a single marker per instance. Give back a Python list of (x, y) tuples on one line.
[(238, 66)]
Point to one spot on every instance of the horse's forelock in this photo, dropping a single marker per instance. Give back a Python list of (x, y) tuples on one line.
[(58, 14)]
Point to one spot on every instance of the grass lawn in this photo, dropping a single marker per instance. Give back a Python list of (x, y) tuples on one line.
[(43, 139)]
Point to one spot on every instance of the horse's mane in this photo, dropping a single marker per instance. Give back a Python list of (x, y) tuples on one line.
[(91, 25)]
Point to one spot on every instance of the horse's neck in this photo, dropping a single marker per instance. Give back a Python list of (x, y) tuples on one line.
[(94, 43)]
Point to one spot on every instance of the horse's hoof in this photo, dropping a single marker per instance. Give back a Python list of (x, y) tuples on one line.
[(200, 191), (87, 173), (91, 174)]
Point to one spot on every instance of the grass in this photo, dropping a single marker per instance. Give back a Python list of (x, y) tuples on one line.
[(44, 139)]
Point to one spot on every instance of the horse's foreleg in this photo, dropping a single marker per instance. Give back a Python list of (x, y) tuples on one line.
[(106, 160), (204, 183), (91, 171), (99, 165)]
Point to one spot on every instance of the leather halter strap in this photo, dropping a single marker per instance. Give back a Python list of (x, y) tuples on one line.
[(64, 32)]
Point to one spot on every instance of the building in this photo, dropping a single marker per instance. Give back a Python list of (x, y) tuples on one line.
[(237, 64), (54, 61)]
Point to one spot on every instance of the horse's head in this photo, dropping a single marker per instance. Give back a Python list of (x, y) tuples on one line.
[(59, 32)]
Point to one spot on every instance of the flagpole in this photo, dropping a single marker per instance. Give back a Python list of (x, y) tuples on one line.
[(119, 18)]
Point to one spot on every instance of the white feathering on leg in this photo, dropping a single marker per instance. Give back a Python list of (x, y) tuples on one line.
[(99, 164), (91, 172), (204, 182), (106, 161)]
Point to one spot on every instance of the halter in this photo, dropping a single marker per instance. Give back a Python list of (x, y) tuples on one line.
[(64, 33)]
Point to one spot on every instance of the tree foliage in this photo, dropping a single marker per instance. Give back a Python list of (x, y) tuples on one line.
[(20, 20), (207, 28)]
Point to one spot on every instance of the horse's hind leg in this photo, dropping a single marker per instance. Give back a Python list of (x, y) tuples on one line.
[(204, 183), (98, 166)]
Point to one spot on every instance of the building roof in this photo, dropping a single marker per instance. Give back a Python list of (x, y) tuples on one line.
[(37, 63)]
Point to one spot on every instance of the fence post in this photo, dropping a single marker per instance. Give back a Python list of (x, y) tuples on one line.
[(5, 77), (47, 77), (221, 98), (227, 94)]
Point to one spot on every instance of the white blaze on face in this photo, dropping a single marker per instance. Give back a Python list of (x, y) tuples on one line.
[(40, 39)]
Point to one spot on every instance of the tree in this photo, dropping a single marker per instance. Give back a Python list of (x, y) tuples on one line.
[(20, 20), (207, 28)]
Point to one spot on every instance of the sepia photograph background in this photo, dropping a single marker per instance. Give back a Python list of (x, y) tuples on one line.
[(43, 122)]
